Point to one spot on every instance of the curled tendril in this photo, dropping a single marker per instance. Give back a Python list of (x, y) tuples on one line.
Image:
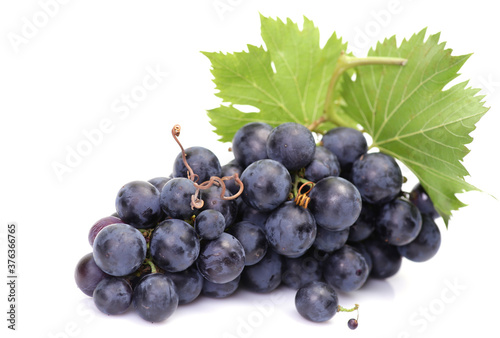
[(196, 202), (176, 131), (302, 199)]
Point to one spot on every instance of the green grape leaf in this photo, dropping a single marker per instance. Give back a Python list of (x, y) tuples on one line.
[(284, 82), (411, 116)]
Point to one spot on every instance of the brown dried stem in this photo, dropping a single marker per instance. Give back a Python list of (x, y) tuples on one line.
[(196, 202)]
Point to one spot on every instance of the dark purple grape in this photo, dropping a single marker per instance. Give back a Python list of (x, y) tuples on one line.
[(119, 249), (360, 247), (324, 164), (138, 204), (265, 276), (347, 144), (386, 259), (346, 269), (212, 201), (421, 199), (253, 240), (352, 324), (299, 271), (221, 260), (249, 143), (317, 301), (335, 203), (329, 241), (230, 169), (290, 229), (188, 284), (377, 177), (88, 274), (202, 161), (247, 213), (113, 295), (174, 245), (209, 224), (175, 198), (399, 222), (267, 184), (427, 243), (155, 298), (159, 182), (292, 145), (100, 224), (220, 290), (365, 224)]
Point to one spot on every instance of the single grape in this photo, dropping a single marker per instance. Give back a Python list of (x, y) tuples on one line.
[(335, 203), (88, 274), (249, 143), (113, 295), (299, 271), (100, 224), (265, 276), (398, 222), (386, 259), (291, 144), (209, 224), (212, 201), (317, 301), (138, 204), (360, 247), (346, 269), (174, 245), (421, 199), (290, 229), (247, 213), (365, 224), (175, 198), (267, 185), (119, 249), (155, 298), (253, 240), (230, 169), (352, 324), (202, 161), (329, 241), (427, 243), (221, 260), (159, 182), (347, 144), (220, 290), (188, 284), (324, 164), (377, 177)]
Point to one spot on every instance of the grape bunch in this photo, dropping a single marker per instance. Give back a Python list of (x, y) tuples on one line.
[(318, 218)]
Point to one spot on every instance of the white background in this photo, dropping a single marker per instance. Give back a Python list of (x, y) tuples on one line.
[(72, 71)]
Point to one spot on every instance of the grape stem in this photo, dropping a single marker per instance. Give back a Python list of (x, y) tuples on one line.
[(151, 264), (298, 179), (345, 62), (317, 123), (355, 308)]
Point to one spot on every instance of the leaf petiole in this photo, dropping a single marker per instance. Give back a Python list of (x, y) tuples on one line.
[(345, 62)]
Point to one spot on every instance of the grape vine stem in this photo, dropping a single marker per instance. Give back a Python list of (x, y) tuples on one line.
[(355, 308), (151, 265), (345, 62)]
